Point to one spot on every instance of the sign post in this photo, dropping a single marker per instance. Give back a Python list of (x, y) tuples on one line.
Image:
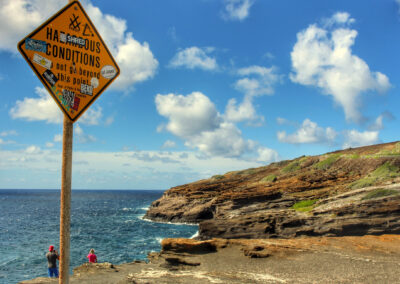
[(65, 200), (72, 61)]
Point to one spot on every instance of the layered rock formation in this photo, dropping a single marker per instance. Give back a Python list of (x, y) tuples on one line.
[(349, 192)]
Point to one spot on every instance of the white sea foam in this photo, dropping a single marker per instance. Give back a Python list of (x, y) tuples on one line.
[(145, 208), (159, 239), (195, 235)]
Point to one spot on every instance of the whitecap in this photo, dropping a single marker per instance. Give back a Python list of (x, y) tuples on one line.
[(195, 235)]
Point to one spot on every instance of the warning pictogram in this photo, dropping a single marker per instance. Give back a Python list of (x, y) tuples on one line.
[(71, 59)]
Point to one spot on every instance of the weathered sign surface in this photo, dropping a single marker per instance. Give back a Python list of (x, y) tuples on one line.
[(71, 59)]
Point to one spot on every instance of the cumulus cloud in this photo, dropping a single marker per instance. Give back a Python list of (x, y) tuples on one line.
[(354, 138), (322, 57), (194, 57), (195, 119), (256, 81), (378, 123), (92, 116), (237, 10), (20, 17), (309, 132), (241, 112), (188, 115), (82, 136), (135, 59), (168, 144), (58, 138), (44, 108)]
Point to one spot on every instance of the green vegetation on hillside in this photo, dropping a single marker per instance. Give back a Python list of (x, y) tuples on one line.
[(218, 177), (380, 192), (325, 164), (269, 178), (291, 167), (394, 152), (382, 173), (305, 205)]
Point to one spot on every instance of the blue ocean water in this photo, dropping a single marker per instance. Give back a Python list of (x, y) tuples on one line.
[(109, 221)]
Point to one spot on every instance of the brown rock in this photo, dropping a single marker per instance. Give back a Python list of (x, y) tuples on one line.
[(257, 203)]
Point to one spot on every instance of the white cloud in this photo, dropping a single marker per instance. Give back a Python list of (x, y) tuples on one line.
[(49, 144), (109, 121), (44, 108), (8, 133), (194, 57), (34, 109), (322, 57), (20, 17), (237, 9), (195, 119), (398, 5), (82, 136), (225, 141), (92, 116), (58, 138), (256, 81), (135, 59), (267, 155), (354, 138), (378, 123), (168, 144), (340, 18), (188, 115), (5, 142), (112, 170), (242, 112), (33, 150), (282, 121), (309, 132)]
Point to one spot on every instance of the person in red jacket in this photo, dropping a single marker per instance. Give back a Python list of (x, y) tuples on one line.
[(52, 257), (91, 256)]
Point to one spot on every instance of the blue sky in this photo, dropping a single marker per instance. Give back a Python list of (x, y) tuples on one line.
[(206, 87)]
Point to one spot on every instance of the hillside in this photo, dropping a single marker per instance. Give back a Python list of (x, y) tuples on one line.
[(348, 192)]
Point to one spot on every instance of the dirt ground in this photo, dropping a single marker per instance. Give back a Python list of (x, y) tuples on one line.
[(367, 259)]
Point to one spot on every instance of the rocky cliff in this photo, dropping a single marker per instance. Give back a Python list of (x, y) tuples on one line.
[(349, 192)]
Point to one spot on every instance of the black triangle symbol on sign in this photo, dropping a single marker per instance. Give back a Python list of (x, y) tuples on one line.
[(87, 31)]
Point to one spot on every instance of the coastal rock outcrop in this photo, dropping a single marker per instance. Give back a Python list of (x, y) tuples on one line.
[(349, 192)]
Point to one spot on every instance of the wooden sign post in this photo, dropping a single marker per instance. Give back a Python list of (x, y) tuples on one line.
[(65, 200), (72, 61)]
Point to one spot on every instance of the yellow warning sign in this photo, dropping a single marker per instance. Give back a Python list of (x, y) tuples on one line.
[(71, 59)]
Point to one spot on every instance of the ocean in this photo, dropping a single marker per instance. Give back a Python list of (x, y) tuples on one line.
[(109, 221)]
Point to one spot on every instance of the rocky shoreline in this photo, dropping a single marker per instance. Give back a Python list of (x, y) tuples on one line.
[(367, 259)]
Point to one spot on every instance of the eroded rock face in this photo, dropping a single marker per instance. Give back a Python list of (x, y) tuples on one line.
[(354, 192)]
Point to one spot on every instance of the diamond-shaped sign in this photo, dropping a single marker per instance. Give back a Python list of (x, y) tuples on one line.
[(71, 59)]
